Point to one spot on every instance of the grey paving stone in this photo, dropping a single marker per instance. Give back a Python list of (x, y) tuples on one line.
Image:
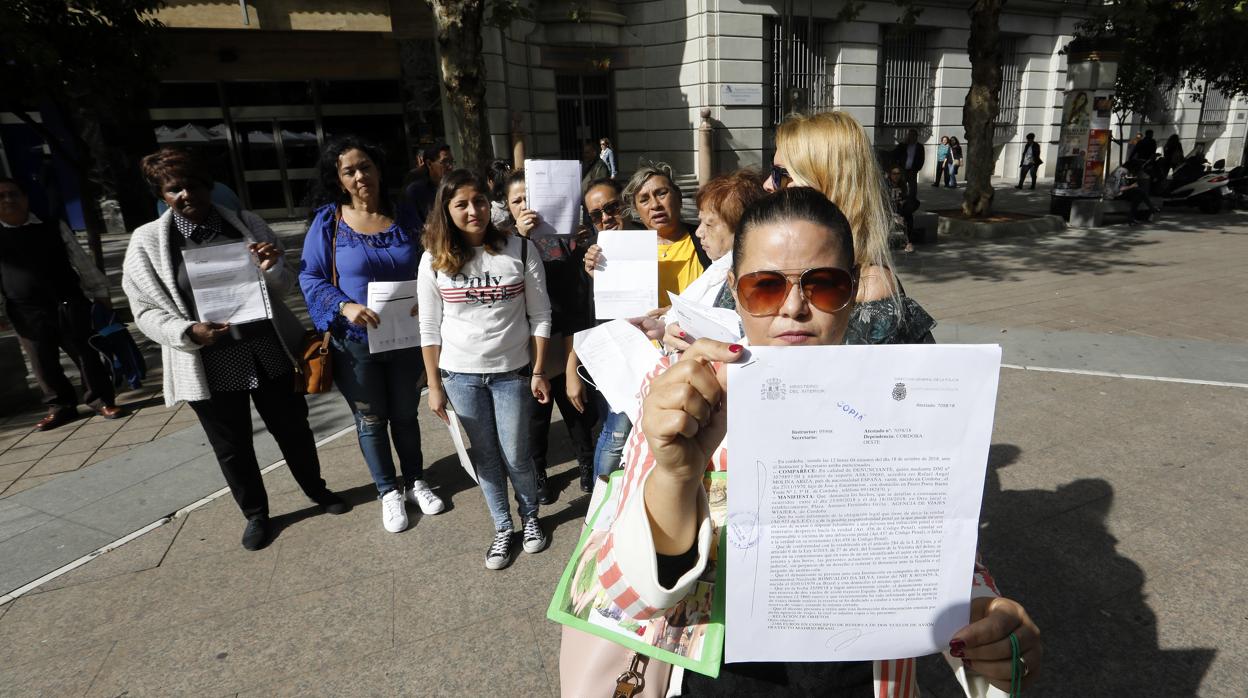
[(25, 454), (164, 493), (70, 674), (16, 518), (53, 464), (40, 549), (144, 553)]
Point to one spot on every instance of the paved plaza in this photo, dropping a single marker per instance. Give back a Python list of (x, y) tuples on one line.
[(1113, 509)]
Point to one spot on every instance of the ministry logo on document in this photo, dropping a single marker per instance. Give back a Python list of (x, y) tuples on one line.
[(899, 392), (774, 389)]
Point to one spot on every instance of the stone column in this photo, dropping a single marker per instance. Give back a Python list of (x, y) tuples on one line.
[(706, 147)]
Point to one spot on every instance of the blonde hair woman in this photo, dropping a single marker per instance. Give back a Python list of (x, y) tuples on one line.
[(831, 152)]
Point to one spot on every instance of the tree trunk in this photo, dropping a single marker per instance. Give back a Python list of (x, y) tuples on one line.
[(979, 112), (458, 35)]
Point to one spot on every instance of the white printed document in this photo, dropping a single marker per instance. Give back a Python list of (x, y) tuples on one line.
[(626, 282), (853, 501), (618, 356), (553, 189), (398, 329), (461, 446), (226, 283), (703, 321)]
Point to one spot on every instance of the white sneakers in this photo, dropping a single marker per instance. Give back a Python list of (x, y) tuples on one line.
[(393, 513), (423, 497)]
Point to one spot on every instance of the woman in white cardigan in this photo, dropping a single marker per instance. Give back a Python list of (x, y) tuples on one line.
[(219, 368)]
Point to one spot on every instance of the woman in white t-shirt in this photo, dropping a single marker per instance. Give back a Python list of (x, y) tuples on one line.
[(484, 324)]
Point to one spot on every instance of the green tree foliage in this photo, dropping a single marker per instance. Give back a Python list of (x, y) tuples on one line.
[(93, 64), (1166, 43)]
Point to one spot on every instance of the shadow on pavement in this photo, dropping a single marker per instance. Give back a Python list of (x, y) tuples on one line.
[(1053, 553), (1072, 252)]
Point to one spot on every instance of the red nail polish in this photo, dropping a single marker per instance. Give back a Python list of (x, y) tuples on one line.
[(957, 647), (735, 348), (684, 336)]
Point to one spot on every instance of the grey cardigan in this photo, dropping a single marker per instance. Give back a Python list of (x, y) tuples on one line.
[(149, 283)]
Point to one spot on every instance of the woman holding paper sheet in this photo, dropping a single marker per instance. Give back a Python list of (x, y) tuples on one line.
[(832, 153), (222, 368), (571, 310), (653, 195), (794, 281), (357, 236), (484, 325)]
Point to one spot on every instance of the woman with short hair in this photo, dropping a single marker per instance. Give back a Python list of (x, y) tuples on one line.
[(358, 235), (219, 368)]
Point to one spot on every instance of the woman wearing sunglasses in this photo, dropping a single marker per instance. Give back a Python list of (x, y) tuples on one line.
[(794, 281), (651, 193), (831, 152), (571, 310)]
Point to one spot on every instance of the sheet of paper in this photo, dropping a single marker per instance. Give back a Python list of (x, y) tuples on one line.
[(553, 189), (857, 474), (617, 356), (393, 301), (626, 282), (461, 448), (226, 283), (703, 321)]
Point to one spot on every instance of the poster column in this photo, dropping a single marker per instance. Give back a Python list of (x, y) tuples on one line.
[(1084, 144)]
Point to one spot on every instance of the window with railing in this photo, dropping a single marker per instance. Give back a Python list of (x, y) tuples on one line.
[(1215, 108), (1011, 89), (799, 68), (907, 80)]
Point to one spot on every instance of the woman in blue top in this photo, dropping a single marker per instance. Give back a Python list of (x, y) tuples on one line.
[(358, 235)]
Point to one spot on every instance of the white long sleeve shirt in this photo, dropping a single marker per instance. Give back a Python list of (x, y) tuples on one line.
[(484, 315)]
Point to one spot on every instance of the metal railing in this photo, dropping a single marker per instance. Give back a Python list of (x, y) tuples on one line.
[(907, 81), (799, 68)]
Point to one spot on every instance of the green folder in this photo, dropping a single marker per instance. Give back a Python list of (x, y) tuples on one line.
[(687, 636)]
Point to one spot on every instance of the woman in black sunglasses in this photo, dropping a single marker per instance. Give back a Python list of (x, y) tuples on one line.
[(794, 276)]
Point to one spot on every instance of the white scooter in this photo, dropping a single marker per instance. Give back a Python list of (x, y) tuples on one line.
[(1195, 183)]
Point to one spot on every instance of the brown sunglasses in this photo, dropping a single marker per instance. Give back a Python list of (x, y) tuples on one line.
[(763, 293)]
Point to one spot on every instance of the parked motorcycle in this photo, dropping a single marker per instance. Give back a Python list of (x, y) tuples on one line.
[(1198, 184)]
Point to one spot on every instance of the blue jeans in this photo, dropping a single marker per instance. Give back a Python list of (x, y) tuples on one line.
[(610, 449), (383, 390), (495, 409), (951, 175)]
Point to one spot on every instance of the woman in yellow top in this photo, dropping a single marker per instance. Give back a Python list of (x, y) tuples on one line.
[(652, 194)]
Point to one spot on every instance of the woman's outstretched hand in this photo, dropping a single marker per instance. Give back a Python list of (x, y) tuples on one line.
[(984, 645), (685, 416)]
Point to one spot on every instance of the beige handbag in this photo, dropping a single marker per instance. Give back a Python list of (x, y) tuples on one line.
[(591, 667)]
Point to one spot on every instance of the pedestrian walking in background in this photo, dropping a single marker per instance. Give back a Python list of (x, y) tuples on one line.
[(571, 310), (608, 156), (43, 277), (942, 152), (357, 235), (1146, 149), (1172, 155), (1030, 161), (909, 157), (953, 162), (484, 324), (422, 182), (221, 368), (592, 166)]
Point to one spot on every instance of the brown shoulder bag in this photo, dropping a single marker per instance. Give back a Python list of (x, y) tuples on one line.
[(315, 361)]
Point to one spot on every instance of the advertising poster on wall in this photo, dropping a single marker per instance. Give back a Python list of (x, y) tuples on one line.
[(1084, 144)]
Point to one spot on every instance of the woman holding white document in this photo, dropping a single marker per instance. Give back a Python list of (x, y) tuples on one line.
[(794, 281), (358, 236), (484, 325), (221, 367)]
